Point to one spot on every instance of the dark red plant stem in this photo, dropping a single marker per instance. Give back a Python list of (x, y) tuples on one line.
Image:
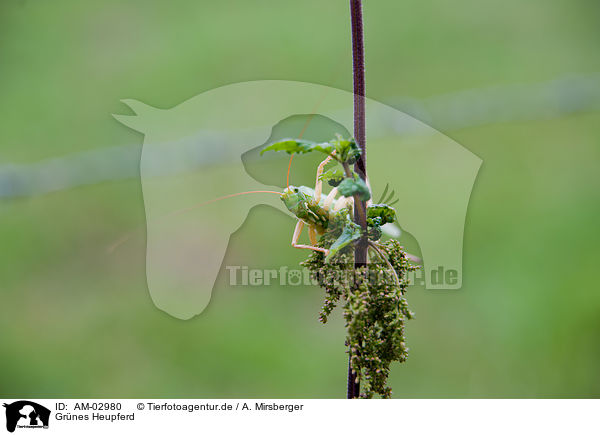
[(358, 68)]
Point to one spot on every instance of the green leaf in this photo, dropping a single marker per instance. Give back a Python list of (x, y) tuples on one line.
[(380, 214), (298, 146), (290, 146), (324, 147), (350, 233), (333, 176), (346, 150), (350, 187)]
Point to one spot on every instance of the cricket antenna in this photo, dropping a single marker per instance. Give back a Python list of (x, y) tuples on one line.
[(308, 120), (185, 210), (128, 236), (287, 179)]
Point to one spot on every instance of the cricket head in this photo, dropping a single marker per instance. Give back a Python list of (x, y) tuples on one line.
[(293, 197)]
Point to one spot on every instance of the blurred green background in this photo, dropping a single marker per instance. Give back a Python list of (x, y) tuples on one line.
[(77, 321)]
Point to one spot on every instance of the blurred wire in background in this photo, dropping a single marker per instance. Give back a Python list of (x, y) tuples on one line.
[(453, 111)]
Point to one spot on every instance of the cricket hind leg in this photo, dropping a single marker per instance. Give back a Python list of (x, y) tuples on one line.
[(329, 199), (296, 236), (319, 182), (343, 202), (312, 235)]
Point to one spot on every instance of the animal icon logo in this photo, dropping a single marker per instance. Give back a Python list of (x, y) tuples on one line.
[(26, 414)]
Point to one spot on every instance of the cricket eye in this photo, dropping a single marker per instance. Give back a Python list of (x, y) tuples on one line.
[(296, 190)]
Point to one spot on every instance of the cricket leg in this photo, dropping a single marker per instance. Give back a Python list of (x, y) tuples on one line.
[(329, 199), (343, 202), (296, 236), (312, 235), (319, 182)]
